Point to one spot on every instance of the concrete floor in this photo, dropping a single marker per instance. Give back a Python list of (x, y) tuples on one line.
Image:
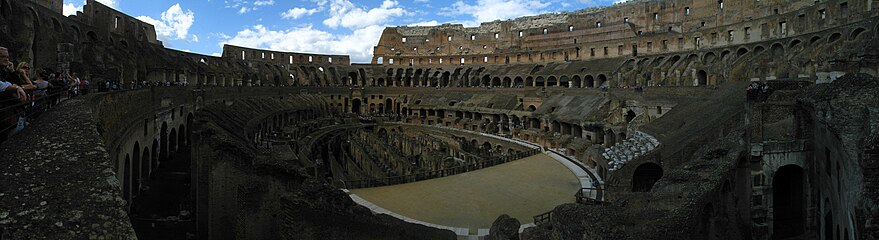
[(521, 189)]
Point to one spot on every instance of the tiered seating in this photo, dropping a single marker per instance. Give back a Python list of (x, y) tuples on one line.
[(621, 153)]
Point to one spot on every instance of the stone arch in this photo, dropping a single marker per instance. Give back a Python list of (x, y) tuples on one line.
[(645, 176), (759, 49), (507, 82), (529, 81), (565, 81), (814, 39), (532, 108), (709, 58), (172, 140), (707, 228), (630, 115), (355, 106), (856, 33), (4, 9), (518, 82), (834, 37), (163, 141), (154, 164), (701, 78), (145, 167), (56, 25), (92, 36), (794, 43), (577, 82), (181, 137), (590, 81), (777, 50), (36, 17), (126, 179), (552, 81), (540, 82), (788, 201), (602, 81), (136, 167)]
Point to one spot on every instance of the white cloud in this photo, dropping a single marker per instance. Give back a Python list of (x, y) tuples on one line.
[(70, 8), (174, 24), (308, 39), (295, 13), (424, 24), (490, 10), (264, 2), (244, 10), (346, 14), (110, 3)]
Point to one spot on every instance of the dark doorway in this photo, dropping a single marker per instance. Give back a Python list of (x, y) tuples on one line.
[(645, 176), (788, 202)]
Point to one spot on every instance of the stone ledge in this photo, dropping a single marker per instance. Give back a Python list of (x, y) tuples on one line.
[(58, 181)]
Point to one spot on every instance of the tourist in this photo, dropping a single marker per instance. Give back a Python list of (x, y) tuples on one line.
[(11, 95), (22, 77), (41, 84)]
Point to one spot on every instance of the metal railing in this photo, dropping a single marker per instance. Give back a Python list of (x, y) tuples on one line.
[(378, 182), (13, 111), (543, 218)]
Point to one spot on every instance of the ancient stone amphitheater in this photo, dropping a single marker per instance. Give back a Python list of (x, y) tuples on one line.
[(631, 121)]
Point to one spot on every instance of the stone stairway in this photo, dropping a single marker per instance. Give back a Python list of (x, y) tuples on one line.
[(621, 153)]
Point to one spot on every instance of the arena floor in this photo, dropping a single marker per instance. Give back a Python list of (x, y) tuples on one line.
[(473, 200)]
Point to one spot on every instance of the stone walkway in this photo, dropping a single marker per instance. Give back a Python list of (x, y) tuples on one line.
[(468, 203)]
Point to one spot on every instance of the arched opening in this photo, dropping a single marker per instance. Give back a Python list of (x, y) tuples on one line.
[(788, 202), (388, 106), (777, 50), (706, 221), (154, 164), (552, 81), (163, 140), (135, 168), (602, 81), (518, 82), (645, 176), (630, 115), (145, 170), (834, 37), (172, 141), (577, 83), (531, 108), (540, 82), (355, 106), (701, 78), (590, 81), (92, 36), (126, 179), (856, 33), (181, 137)]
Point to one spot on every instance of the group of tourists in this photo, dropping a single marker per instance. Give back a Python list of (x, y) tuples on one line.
[(26, 92), (758, 91)]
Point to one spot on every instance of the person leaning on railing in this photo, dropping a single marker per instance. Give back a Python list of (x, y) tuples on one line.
[(11, 96)]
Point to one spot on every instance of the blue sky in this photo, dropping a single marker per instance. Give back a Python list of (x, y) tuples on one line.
[(315, 26)]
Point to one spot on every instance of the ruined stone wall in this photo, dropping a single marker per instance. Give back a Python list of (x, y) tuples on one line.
[(630, 29)]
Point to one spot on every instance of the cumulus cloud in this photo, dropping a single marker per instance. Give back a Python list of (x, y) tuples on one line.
[(174, 23), (70, 8), (346, 14), (295, 13), (358, 44), (490, 10)]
